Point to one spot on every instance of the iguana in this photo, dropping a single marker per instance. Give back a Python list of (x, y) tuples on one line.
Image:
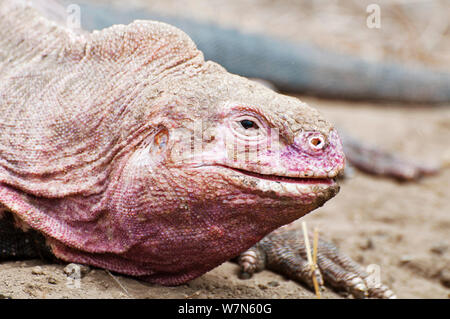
[(124, 149)]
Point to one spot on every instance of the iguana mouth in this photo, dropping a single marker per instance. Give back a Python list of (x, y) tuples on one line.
[(286, 179), (306, 189)]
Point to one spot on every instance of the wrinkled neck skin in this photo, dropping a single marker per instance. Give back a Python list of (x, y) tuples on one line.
[(147, 160)]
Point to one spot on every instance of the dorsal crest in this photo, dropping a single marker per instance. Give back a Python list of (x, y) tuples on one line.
[(143, 42)]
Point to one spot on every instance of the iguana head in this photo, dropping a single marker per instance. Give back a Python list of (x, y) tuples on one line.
[(229, 161), (248, 146), (130, 152)]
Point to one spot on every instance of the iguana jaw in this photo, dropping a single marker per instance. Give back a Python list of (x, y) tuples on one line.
[(301, 190), (318, 180)]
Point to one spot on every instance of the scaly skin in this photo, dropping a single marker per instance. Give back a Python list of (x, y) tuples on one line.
[(127, 151)]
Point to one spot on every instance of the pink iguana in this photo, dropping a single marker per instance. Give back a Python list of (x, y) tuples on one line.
[(127, 151)]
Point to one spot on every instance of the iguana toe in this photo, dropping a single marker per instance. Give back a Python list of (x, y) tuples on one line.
[(284, 251)]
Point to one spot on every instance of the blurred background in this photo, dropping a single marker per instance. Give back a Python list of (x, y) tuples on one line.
[(411, 31)]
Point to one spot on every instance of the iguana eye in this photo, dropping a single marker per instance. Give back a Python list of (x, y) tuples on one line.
[(247, 124), (248, 127)]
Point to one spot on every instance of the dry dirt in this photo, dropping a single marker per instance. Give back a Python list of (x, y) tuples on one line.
[(402, 227)]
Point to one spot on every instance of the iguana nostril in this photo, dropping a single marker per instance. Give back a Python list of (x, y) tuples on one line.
[(317, 142)]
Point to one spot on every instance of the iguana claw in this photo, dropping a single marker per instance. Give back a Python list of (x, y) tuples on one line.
[(284, 251)]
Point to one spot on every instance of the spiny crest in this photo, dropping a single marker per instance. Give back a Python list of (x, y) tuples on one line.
[(139, 43), (143, 42)]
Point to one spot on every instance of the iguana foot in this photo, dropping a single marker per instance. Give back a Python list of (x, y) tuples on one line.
[(284, 251), (378, 162)]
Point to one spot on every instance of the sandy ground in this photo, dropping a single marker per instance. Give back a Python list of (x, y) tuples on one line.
[(402, 228)]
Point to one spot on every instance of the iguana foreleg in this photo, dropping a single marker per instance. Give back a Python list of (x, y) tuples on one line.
[(284, 251)]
